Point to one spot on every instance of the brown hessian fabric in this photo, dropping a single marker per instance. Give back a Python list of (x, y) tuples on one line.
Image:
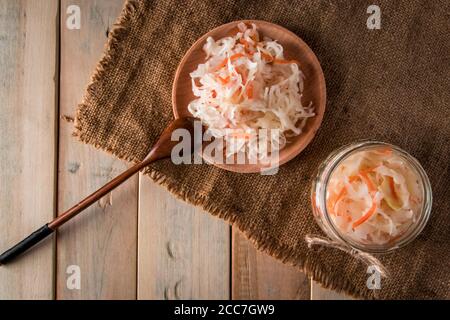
[(390, 84)]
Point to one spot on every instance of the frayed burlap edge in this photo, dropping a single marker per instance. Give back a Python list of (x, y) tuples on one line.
[(258, 237)]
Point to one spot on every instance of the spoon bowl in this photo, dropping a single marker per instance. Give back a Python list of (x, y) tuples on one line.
[(294, 48)]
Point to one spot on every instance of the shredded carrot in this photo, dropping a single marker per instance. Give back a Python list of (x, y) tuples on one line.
[(366, 216), (392, 187), (267, 57), (247, 46), (368, 170), (255, 37), (222, 64), (236, 56), (224, 80), (232, 58), (249, 91), (236, 97), (367, 181), (334, 200), (341, 195), (244, 42), (282, 61), (365, 178), (243, 73)]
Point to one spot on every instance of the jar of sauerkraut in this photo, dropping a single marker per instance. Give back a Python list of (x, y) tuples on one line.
[(371, 196)]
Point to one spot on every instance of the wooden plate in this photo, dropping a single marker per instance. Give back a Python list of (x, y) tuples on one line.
[(294, 48)]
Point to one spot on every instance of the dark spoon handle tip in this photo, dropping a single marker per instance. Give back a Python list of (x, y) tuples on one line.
[(25, 244)]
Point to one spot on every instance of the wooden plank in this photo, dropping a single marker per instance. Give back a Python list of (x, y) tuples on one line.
[(184, 253), (320, 293), (256, 275), (28, 48), (102, 240)]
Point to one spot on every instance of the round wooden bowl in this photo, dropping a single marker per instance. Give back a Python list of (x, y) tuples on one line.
[(294, 48)]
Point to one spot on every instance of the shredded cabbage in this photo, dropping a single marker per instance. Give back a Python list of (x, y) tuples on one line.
[(246, 84), (374, 196)]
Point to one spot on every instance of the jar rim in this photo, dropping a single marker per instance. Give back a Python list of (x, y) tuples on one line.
[(342, 153)]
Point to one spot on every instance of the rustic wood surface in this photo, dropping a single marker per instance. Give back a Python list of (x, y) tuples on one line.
[(183, 252), (103, 240), (139, 241), (319, 293), (259, 276), (28, 88)]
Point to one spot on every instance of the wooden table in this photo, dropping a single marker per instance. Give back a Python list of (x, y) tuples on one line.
[(136, 243)]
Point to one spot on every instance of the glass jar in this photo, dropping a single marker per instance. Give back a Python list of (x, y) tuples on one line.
[(320, 195)]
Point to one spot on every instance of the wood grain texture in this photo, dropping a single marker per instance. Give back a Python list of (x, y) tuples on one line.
[(256, 275), (320, 293), (102, 240), (28, 49), (183, 252)]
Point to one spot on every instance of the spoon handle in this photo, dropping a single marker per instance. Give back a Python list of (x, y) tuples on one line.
[(25, 244), (49, 228), (94, 197)]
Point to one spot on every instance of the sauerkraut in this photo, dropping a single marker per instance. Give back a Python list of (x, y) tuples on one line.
[(246, 84), (374, 196)]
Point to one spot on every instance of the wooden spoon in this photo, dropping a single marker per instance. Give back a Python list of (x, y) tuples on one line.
[(294, 48), (162, 149)]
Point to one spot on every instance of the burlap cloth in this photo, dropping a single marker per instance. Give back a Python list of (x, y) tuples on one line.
[(390, 84)]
